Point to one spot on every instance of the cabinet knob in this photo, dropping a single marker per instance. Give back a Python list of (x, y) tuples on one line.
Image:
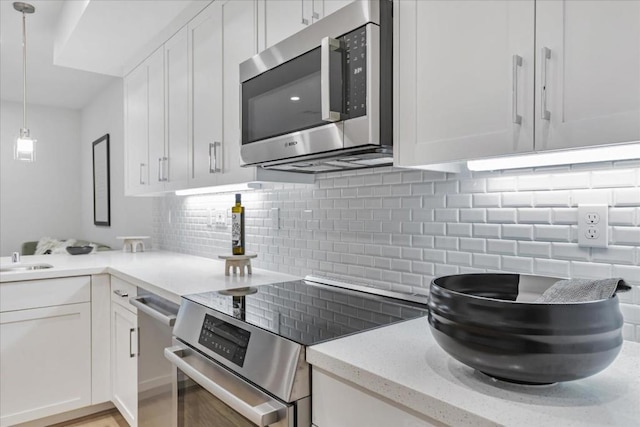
[(121, 293)]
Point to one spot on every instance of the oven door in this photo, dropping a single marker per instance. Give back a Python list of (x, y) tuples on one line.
[(206, 394)]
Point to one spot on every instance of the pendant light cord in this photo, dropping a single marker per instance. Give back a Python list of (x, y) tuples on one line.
[(24, 70)]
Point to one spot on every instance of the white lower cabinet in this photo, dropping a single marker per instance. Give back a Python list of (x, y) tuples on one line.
[(45, 348), (337, 403), (124, 352)]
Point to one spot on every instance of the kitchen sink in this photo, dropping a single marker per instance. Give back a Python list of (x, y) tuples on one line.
[(24, 267)]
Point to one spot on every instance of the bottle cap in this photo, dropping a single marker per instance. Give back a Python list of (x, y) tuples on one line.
[(238, 198)]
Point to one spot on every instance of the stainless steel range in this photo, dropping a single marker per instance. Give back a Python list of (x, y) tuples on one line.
[(239, 355)]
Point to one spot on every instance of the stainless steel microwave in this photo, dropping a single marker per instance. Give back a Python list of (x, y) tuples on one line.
[(321, 100)]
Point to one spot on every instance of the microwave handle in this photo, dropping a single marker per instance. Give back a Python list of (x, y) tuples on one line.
[(327, 45)]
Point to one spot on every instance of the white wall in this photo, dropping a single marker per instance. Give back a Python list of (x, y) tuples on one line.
[(129, 215), (41, 198)]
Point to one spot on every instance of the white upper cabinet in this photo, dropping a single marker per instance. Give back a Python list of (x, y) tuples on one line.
[(176, 159), (156, 117), (466, 87), (205, 50), (279, 19), (463, 79), (589, 82), (240, 43), (136, 131)]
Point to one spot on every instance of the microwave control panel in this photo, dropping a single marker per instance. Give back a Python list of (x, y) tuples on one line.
[(355, 78), (225, 339)]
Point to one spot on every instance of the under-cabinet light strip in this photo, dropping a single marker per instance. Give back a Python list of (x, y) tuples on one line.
[(583, 155)]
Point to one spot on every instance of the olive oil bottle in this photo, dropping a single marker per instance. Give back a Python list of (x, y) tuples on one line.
[(237, 227)]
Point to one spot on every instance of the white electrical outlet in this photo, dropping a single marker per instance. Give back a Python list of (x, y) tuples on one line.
[(593, 226), (220, 216)]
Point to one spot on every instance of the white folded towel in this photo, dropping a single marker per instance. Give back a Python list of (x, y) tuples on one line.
[(582, 290)]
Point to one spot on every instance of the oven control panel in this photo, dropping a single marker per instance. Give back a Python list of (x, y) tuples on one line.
[(225, 339)]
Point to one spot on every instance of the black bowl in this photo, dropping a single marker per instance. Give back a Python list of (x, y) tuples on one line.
[(477, 320), (79, 250)]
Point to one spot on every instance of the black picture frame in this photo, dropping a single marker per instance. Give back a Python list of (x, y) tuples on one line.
[(101, 182)]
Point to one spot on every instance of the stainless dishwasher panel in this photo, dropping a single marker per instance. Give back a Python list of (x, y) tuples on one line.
[(156, 317)]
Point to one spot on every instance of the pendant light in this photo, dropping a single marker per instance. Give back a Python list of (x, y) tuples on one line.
[(25, 146)]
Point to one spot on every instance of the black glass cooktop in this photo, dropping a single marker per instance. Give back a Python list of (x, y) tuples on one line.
[(309, 313)]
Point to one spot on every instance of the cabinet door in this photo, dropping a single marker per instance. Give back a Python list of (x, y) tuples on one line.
[(45, 361), (240, 43), (284, 18), (124, 368), (337, 403), (590, 82), (156, 86), (136, 127), (176, 161), (205, 50), (322, 8), (461, 92)]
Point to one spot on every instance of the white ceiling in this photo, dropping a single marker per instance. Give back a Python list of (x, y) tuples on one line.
[(47, 84), (108, 34)]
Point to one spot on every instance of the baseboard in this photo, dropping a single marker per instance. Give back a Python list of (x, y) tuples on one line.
[(70, 415)]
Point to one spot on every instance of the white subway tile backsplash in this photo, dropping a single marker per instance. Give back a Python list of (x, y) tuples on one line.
[(504, 247), (622, 216), (565, 181), (626, 197), (473, 215), (517, 264), (472, 245), (502, 216), (626, 236), (534, 215), (486, 200), (517, 199), (459, 258), (459, 200), (517, 232), (564, 215), (554, 233), (534, 182), (487, 261), (552, 198), (491, 231), (591, 196), (397, 229), (502, 183), (459, 230), (590, 270), (423, 241), (446, 242), (613, 255), (569, 251), (446, 215), (613, 178), (473, 185), (534, 249)]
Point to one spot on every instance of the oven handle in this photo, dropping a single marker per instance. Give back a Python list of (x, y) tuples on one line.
[(141, 304), (263, 414), (327, 45)]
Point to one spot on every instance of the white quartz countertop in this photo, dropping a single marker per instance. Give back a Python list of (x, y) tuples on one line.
[(403, 363), (167, 274)]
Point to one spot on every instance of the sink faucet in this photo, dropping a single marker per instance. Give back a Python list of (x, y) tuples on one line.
[(15, 257)]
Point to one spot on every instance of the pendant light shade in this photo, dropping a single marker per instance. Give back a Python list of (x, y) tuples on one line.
[(25, 145)]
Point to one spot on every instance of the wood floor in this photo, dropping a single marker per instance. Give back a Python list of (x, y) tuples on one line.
[(110, 418)]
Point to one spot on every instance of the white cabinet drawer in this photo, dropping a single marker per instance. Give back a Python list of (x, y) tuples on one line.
[(44, 293), (121, 291)]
